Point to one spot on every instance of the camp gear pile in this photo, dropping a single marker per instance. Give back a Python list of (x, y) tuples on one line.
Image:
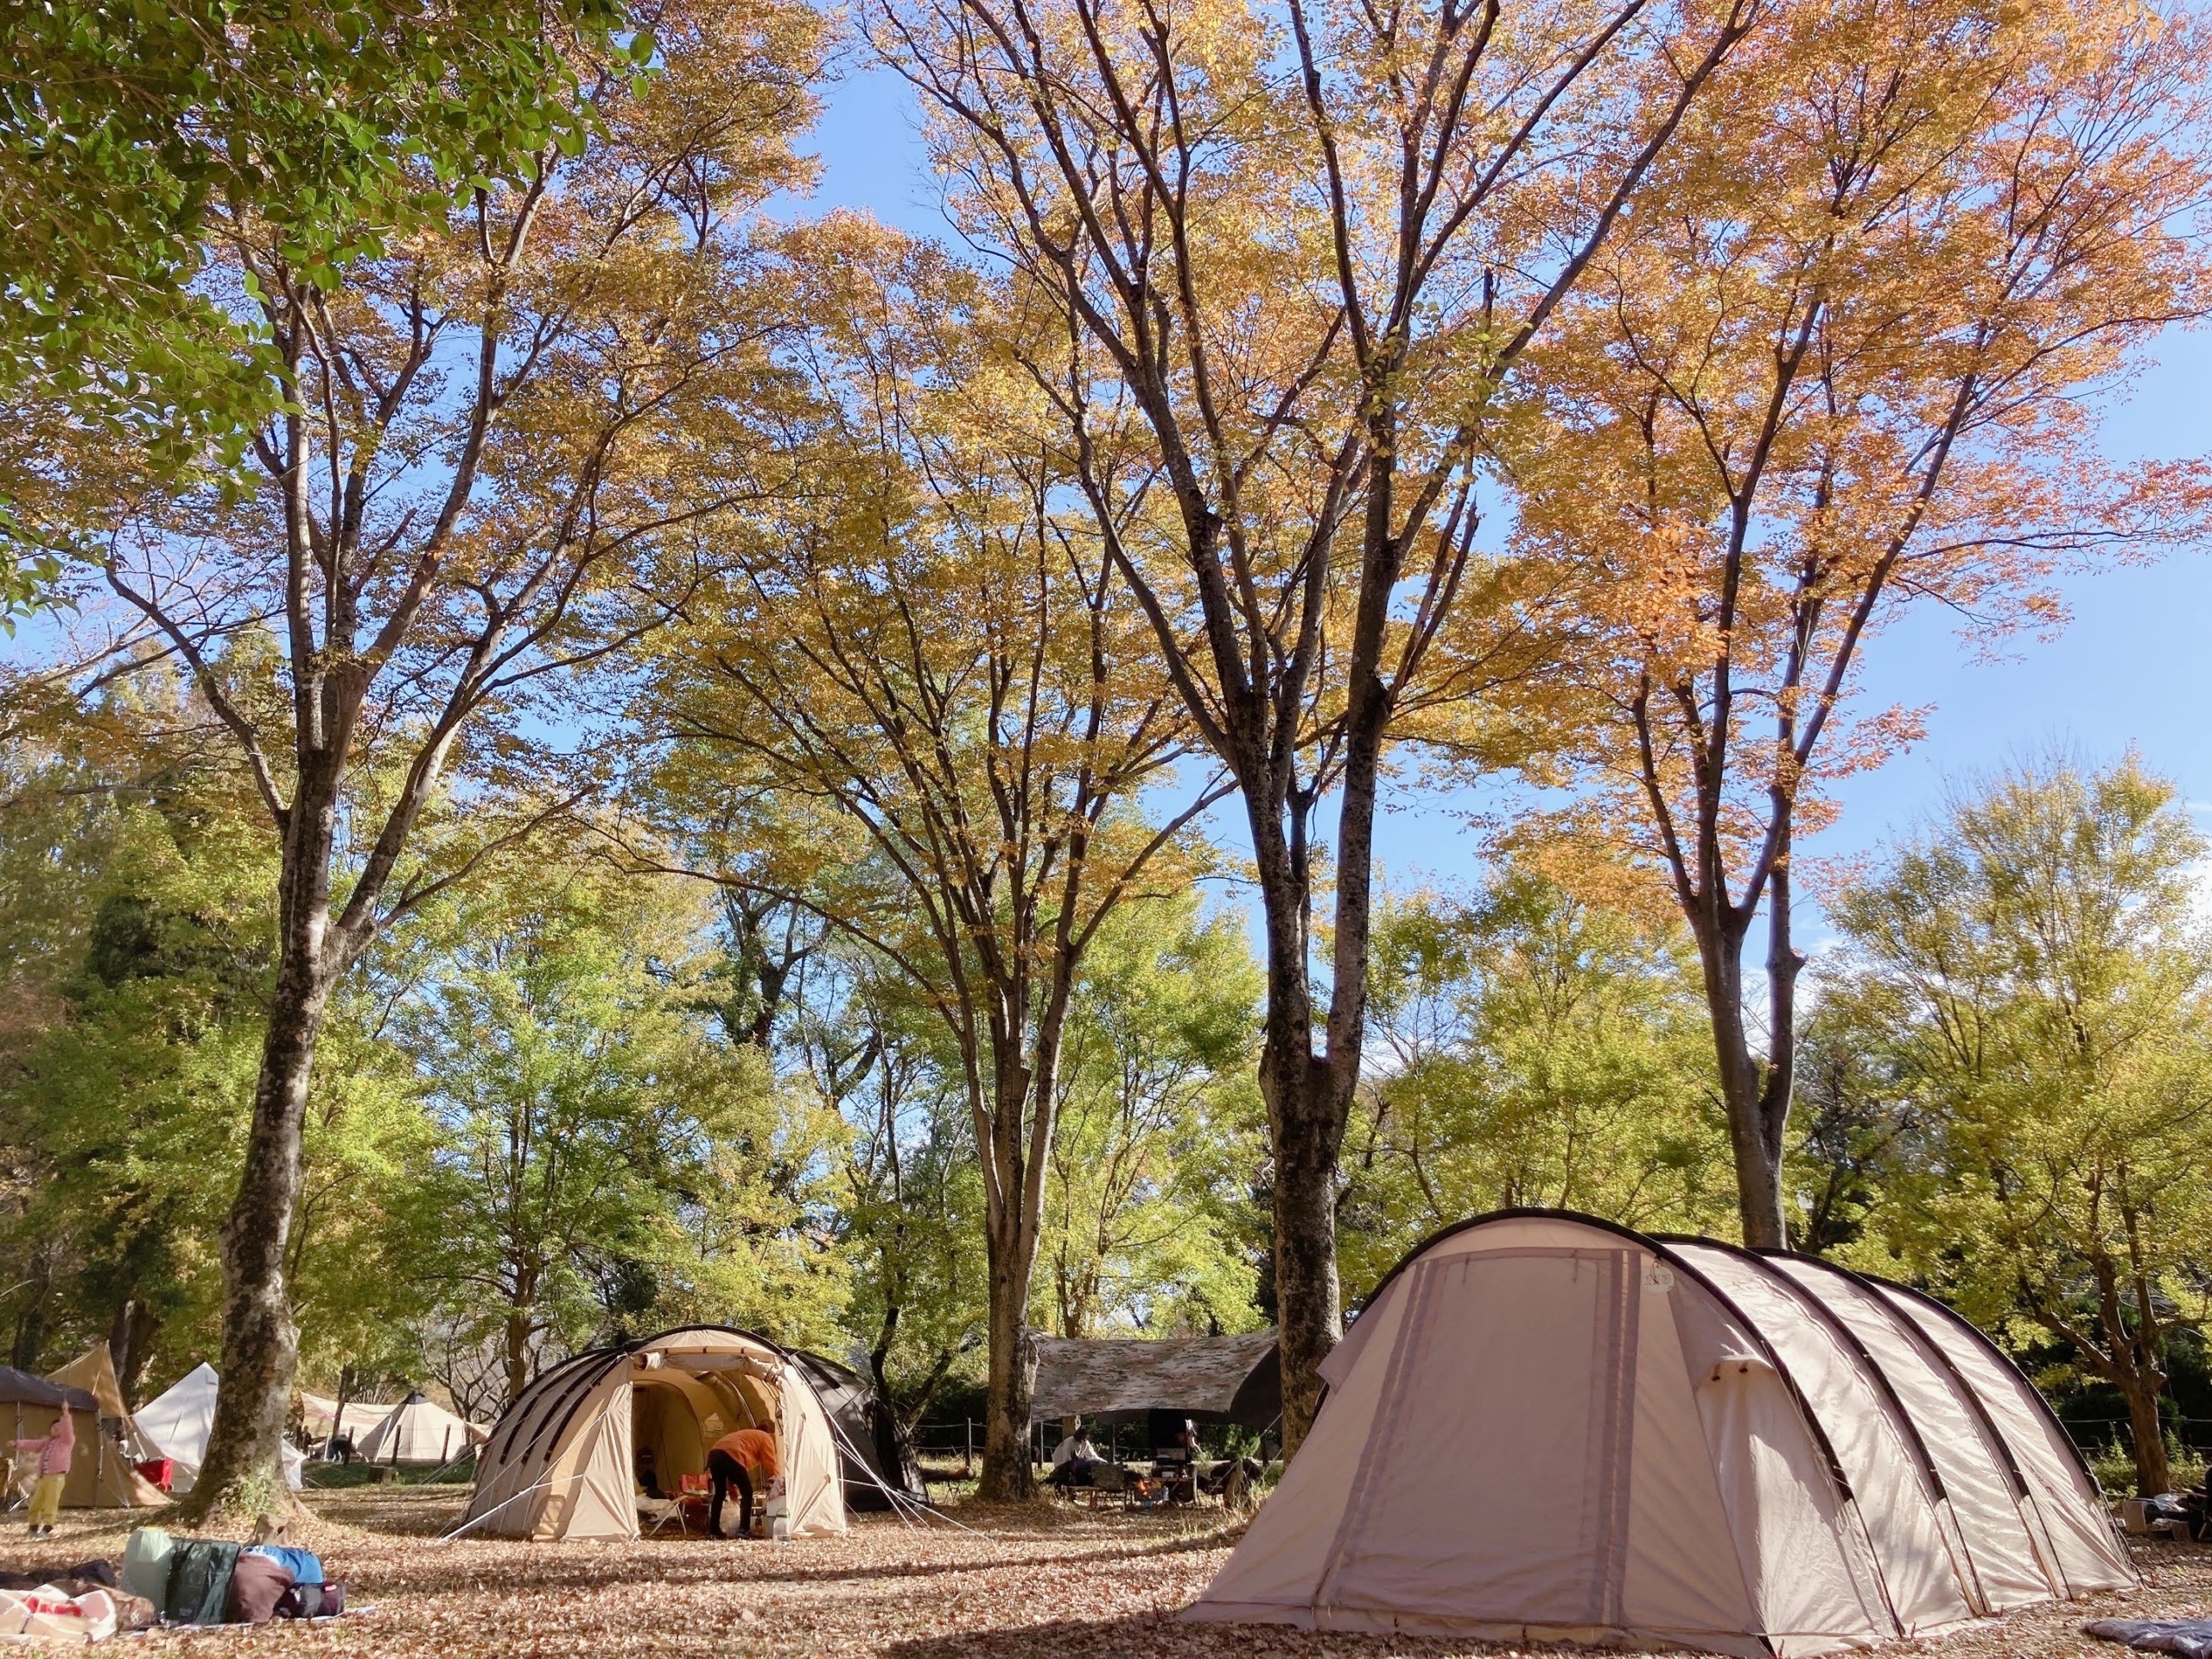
[(209, 1581)]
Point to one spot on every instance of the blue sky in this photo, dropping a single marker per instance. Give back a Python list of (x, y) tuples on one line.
[(2132, 668)]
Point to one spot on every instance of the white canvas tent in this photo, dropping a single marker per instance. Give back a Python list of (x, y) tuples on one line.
[(418, 1430), (1546, 1428), (564, 1460), (178, 1421), (324, 1418)]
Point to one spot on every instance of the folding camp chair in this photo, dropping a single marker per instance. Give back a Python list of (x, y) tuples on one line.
[(692, 1493)]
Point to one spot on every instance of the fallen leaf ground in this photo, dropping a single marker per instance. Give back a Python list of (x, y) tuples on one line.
[(1045, 1583)]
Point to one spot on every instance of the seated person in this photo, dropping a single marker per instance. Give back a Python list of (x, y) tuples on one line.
[(741, 1458), (1072, 1458), (2196, 1512), (648, 1481)]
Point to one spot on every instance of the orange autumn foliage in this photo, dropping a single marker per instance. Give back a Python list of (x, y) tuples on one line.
[(1847, 358)]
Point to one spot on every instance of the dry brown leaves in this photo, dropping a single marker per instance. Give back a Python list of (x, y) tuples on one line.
[(1033, 1584)]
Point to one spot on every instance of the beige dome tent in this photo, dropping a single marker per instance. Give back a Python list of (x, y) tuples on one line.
[(564, 1461), (1546, 1428), (418, 1430)]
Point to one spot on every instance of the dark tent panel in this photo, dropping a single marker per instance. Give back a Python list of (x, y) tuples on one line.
[(21, 1388), (873, 1451), (1206, 1379)]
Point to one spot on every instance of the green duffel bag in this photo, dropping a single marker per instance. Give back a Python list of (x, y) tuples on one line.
[(200, 1581), (146, 1565)]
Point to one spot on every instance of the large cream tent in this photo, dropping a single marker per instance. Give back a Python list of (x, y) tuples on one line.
[(564, 1460), (1546, 1428), (178, 1421), (418, 1430), (102, 1474), (325, 1419)]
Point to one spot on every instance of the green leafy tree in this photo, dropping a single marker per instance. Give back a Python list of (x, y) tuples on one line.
[(132, 136), (1548, 1052), (922, 651), (608, 1162), (911, 1183), (1159, 1128), (501, 441), (144, 953), (2038, 972), (1858, 1129)]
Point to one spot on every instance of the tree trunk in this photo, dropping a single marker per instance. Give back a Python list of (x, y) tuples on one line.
[(879, 1355), (1306, 1118), (131, 1345), (1008, 1476), (30, 1324), (243, 1467), (926, 1396), (2153, 1474), (1309, 1307), (338, 1406), (1756, 1152), (518, 1355)]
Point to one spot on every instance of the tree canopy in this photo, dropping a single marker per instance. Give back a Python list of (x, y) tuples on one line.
[(590, 746)]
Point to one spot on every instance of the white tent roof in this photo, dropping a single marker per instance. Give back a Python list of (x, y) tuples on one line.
[(320, 1413), (178, 1421), (1545, 1428), (418, 1430)]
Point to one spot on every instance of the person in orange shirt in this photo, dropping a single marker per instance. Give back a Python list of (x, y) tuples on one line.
[(743, 1458)]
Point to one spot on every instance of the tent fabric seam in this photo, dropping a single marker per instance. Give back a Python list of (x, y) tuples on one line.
[(1382, 1435), (2040, 1405), (1999, 1453), (1932, 1485)]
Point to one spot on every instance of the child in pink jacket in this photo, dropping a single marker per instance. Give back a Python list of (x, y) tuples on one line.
[(54, 1451)]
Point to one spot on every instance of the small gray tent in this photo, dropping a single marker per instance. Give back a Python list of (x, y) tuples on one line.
[(1545, 1428)]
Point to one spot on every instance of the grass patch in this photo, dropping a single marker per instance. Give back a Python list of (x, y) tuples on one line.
[(346, 1477)]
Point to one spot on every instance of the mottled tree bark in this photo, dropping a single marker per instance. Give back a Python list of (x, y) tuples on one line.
[(2153, 1472), (1007, 1475), (242, 1464)]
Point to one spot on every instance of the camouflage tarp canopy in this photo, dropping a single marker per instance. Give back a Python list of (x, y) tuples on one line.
[(1210, 1379)]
